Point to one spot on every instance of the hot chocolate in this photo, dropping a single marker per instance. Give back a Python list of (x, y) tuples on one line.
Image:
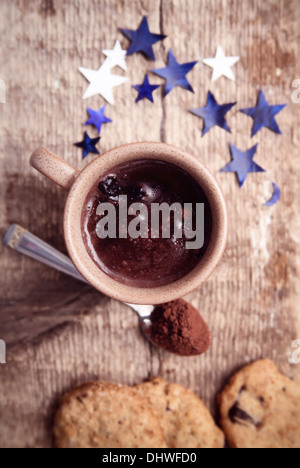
[(148, 260)]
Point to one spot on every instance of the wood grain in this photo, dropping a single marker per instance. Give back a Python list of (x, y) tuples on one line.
[(60, 332)]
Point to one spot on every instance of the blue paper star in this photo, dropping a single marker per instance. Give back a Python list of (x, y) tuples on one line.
[(263, 115), (145, 90), (242, 163), (142, 39), (88, 145), (213, 114), (174, 74), (97, 118)]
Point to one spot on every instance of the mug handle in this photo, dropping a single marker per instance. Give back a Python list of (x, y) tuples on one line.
[(53, 167)]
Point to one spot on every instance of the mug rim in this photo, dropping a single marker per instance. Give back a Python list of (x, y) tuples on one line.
[(82, 185)]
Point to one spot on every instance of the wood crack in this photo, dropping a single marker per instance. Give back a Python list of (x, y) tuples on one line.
[(163, 52)]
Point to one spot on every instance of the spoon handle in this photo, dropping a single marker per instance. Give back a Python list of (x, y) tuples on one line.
[(23, 241), (28, 244)]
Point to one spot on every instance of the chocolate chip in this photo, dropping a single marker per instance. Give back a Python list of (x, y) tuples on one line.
[(110, 187), (236, 415), (79, 399), (261, 399)]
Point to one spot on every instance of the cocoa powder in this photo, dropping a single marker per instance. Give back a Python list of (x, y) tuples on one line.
[(179, 328)]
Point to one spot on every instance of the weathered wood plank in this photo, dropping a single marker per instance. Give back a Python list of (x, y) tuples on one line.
[(61, 332)]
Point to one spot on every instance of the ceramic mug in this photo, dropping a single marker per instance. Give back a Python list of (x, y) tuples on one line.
[(79, 183)]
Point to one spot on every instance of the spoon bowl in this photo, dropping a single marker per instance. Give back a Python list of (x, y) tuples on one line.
[(28, 244)]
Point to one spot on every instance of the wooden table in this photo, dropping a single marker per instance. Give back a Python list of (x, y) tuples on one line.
[(60, 332)]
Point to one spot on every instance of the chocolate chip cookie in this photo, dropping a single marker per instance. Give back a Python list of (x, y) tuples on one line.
[(185, 420), (260, 408), (106, 415)]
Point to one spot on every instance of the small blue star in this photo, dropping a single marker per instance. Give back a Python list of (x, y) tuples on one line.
[(174, 74), (213, 114), (142, 39), (97, 118), (88, 145), (145, 90), (242, 163), (263, 115)]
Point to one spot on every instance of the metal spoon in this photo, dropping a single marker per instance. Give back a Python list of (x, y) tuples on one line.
[(28, 244)]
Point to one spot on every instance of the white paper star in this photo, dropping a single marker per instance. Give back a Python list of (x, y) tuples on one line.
[(116, 56), (102, 81), (221, 65)]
